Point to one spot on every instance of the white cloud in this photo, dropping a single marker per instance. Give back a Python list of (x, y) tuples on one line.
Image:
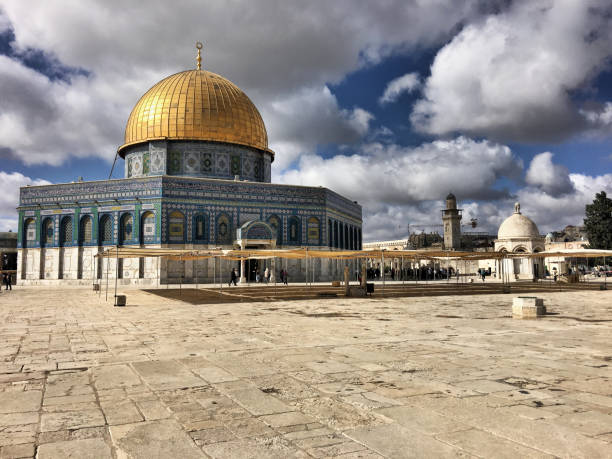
[(600, 120), (398, 86), (393, 175), (275, 51), (311, 117), (510, 76), (551, 178), (9, 198)]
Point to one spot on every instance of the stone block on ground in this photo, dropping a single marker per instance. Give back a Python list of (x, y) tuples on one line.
[(527, 307)]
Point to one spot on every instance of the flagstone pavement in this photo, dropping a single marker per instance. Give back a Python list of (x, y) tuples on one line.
[(350, 378)]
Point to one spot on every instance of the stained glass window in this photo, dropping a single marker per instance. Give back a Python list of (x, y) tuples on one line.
[(47, 236), (176, 227), (127, 227), (148, 225), (313, 230), (223, 230), (106, 230), (294, 229), (66, 231), (199, 227), (85, 230)]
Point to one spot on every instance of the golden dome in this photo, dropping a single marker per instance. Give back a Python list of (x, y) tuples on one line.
[(196, 105)]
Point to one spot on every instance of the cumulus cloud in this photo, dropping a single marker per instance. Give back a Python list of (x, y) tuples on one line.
[(9, 198), (398, 86), (392, 174), (511, 76), (599, 119), (275, 51), (549, 177), (311, 117)]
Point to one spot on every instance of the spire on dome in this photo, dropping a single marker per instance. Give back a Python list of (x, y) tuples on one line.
[(199, 58)]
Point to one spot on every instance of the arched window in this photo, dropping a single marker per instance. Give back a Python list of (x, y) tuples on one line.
[(66, 231), (224, 230), (176, 227), (85, 230), (126, 228), (275, 223), (341, 236), (46, 237), (336, 240), (346, 236), (29, 233), (147, 228), (200, 228), (293, 230), (105, 232), (313, 230)]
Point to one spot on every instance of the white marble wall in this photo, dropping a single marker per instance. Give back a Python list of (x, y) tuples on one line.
[(76, 265)]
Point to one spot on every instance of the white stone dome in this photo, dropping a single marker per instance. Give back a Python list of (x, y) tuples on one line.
[(518, 226)]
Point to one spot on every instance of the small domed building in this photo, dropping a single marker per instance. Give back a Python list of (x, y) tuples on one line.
[(519, 234), (197, 175)]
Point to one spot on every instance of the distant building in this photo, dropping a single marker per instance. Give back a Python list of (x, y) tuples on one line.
[(451, 218), (519, 234)]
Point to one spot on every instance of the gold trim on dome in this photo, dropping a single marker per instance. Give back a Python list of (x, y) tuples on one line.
[(196, 105)]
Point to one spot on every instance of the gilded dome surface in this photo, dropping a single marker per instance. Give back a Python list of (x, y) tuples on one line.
[(518, 226), (196, 105)]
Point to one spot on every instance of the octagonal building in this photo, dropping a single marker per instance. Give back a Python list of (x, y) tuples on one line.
[(197, 175)]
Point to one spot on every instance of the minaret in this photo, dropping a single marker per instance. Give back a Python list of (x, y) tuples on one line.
[(451, 216)]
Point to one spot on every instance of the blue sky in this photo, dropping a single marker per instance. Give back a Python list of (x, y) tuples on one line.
[(496, 101)]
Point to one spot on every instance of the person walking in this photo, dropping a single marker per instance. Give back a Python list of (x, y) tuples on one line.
[(483, 273), (6, 278), (285, 276), (233, 278), (267, 274)]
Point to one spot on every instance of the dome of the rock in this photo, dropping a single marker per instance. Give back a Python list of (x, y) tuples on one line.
[(196, 105)]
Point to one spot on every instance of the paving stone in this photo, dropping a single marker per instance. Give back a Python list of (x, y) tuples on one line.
[(120, 412), (422, 420), (71, 420), (484, 444), (239, 449), (214, 374), (16, 419), (330, 367), (153, 410), (588, 422), (92, 448), (258, 403), (393, 440), (152, 440), (167, 375), (17, 451), (16, 402), (114, 376), (249, 427), (286, 419)]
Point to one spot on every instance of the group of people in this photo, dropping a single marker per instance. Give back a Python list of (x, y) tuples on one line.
[(420, 273), (258, 277), (7, 280)]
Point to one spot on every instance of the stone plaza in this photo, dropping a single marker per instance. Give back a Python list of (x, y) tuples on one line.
[(446, 376)]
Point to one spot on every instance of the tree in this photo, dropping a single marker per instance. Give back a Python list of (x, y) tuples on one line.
[(598, 222)]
